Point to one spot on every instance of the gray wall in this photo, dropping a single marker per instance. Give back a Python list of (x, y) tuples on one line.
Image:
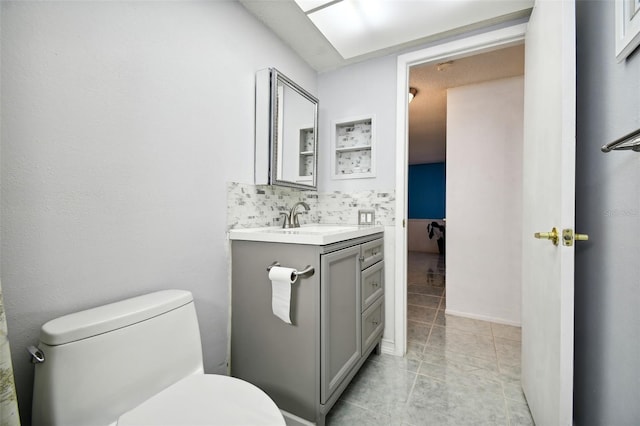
[(122, 123), (607, 349)]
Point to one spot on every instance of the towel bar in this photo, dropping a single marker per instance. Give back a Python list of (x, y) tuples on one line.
[(627, 142)]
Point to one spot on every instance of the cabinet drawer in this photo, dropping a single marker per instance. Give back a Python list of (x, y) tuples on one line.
[(371, 252), (372, 284), (372, 324)]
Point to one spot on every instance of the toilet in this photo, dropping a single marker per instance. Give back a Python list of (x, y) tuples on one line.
[(137, 362)]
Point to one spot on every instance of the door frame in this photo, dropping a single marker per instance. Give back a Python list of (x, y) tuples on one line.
[(472, 45)]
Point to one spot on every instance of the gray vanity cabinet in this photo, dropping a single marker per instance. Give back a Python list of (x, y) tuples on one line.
[(337, 320)]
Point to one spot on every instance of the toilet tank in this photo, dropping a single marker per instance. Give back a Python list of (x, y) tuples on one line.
[(104, 361)]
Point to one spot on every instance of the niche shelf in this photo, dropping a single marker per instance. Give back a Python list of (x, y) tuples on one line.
[(306, 163), (353, 148)]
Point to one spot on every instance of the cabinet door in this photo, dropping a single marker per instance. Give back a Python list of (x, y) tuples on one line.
[(340, 317)]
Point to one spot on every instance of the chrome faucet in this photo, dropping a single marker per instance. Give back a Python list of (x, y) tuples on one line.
[(290, 219)]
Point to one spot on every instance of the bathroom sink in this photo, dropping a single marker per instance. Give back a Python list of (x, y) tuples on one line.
[(313, 229), (313, 234)]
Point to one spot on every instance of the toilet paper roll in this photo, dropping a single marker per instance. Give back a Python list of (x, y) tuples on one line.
[(281, 280)]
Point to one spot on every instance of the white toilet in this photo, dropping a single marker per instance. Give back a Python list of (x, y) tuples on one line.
[(137, 362)]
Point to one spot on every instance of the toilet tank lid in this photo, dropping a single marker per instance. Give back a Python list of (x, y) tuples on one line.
[(91, 322)]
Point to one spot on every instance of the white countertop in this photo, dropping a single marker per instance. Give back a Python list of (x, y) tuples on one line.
[(312, 234)]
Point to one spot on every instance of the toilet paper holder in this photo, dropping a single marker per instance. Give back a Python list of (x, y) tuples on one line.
[(306, 272)]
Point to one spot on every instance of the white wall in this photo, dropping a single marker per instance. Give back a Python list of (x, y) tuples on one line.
[(484, 206), (122, 123), (366, 88)]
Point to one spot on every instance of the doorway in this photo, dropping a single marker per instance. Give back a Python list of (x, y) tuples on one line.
[(476, 104), (455, 50), (548, 198)]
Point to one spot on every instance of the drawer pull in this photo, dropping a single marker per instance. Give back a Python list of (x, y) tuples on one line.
[(374, 284), (374, 322)]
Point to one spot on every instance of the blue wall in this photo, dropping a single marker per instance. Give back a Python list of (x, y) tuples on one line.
[(427, 186)]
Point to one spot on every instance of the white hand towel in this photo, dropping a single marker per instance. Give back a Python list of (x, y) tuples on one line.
[(281, 280)]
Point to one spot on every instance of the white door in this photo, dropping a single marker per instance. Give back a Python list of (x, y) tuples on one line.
[(549, 199), (548, 192)]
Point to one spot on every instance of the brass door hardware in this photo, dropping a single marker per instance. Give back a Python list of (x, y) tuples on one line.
[(568, 237), (553, 236)]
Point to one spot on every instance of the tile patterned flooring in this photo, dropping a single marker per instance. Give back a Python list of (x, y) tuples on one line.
[(457, 371)]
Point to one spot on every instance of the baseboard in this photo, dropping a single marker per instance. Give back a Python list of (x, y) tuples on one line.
[(388, 347), (481, 317)]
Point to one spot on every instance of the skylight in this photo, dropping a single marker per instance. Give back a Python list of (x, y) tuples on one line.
[(357, 27), (309, 5)]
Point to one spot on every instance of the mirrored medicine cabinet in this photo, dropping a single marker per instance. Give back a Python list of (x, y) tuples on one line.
[(286, 145)]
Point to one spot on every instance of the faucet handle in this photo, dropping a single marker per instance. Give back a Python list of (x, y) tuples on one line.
[(285, 220)]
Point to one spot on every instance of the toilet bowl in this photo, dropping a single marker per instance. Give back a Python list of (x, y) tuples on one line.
[(189, 402), (137, 362)]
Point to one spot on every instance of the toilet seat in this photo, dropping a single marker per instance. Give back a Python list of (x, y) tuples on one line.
[(206, 399)]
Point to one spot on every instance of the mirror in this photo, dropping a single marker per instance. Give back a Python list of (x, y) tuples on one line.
[(293, 134)]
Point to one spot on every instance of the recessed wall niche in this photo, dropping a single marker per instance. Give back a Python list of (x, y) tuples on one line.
[(353, 148)]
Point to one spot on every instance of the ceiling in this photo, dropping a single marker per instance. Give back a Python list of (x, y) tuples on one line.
[(349, 31), (334, 33), (428, 110)]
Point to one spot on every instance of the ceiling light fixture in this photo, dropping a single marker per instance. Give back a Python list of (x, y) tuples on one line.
[(412, 93), (444, 65)]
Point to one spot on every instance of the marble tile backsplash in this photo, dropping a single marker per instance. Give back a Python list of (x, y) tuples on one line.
[(250, 206), (342, 207), (260, 205)]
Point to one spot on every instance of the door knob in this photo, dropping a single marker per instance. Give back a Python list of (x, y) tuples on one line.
[(568, 237), (553, 236)]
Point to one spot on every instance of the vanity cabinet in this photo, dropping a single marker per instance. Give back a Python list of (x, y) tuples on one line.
[(337, 320)]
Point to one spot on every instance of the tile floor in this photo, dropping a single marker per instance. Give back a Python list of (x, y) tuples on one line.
[(457, 371)]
